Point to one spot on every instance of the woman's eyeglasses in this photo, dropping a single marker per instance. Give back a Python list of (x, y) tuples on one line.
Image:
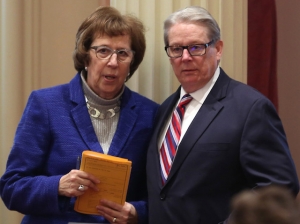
[(104, 53)]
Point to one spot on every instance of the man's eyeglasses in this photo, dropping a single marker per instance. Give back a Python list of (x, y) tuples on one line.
[(194, 50), (104, 53)]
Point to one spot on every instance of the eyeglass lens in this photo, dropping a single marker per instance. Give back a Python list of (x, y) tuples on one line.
[(124, 55), (177, 51)]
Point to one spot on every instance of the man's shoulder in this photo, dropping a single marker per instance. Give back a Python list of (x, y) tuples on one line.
[(244, 90)]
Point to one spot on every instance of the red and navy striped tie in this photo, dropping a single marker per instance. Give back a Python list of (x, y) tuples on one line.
[(170, 143)]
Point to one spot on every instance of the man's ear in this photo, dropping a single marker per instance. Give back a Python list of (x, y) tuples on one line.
[(219, 48)]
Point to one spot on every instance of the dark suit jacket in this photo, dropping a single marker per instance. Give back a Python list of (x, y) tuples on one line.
[(54, 130), (235, 142)]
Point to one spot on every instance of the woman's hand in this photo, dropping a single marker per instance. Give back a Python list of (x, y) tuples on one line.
[(116, 213), (69, 183)]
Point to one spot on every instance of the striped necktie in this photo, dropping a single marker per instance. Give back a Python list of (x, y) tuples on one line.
[(170, 143)]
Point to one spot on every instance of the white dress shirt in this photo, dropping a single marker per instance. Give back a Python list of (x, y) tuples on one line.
[(192, 108)]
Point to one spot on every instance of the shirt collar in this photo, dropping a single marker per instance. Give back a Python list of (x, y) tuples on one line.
[(201, 94)]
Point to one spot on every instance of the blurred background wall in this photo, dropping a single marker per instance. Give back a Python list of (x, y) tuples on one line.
[(288, 73)]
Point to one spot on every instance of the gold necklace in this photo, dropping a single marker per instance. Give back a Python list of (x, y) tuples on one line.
[(94, 112)]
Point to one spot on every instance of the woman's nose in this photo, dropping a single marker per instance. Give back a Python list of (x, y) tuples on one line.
[(113, 60)]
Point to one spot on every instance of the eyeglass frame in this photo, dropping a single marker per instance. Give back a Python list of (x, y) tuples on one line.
[(187, 48), (113, 52)]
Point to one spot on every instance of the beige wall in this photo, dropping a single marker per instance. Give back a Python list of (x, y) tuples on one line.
[(288, 21)]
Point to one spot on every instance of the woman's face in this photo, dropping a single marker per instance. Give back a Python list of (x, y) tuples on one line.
[(106, 77)]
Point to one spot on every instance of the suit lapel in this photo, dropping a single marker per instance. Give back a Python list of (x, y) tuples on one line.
[(165, 112), (202, 120), (161, 118), (205, 116)]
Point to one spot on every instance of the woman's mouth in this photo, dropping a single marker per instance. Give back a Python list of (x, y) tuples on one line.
[(110, 77)]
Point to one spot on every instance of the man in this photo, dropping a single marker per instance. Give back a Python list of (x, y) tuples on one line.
[(231, 137)]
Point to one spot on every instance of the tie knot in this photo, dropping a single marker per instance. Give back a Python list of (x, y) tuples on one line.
[(185, 100)]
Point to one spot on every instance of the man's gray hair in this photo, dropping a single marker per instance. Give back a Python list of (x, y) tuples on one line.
[(195, 15)]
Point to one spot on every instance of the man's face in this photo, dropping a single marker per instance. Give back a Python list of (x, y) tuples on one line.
[(193, 72)]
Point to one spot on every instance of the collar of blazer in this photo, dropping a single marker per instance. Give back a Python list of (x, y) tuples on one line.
[(81, 117)]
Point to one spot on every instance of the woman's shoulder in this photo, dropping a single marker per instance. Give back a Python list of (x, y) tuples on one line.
[(59, 91), (52, 92)]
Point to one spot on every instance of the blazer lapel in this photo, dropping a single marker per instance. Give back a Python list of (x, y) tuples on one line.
[(85, 127), (126, 123), (81, 117)]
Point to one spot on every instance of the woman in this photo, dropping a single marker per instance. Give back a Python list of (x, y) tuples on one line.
[(94, 111)]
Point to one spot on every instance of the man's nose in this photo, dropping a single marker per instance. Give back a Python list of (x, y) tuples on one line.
[(186, 54)]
